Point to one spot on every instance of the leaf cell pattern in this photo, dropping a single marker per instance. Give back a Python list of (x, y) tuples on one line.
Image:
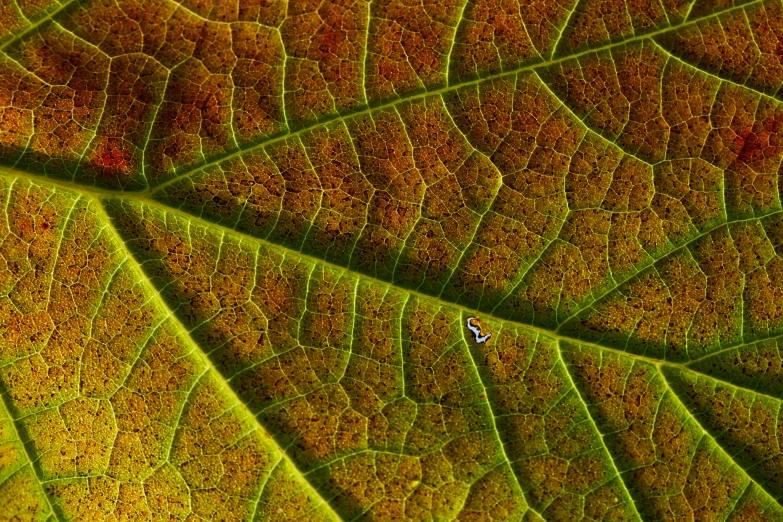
[(245, 245)]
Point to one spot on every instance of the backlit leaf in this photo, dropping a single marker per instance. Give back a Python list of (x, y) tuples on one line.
[(470, 260)]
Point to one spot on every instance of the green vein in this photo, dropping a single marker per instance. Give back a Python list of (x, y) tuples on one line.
[(14, 471), (188, 339), (38, 23), (734, 346), (598, 431), (4, 401), (656, 43), (460, 21), (467, 343), (563, 29), (588, 128), (178, 417), (708, 434), (669, 253)]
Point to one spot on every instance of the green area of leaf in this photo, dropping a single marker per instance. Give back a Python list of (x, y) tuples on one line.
[(245, 247)]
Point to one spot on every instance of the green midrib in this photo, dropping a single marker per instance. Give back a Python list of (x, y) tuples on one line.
[(101, 196)]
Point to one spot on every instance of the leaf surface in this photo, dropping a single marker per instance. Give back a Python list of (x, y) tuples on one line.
[(242, 244)]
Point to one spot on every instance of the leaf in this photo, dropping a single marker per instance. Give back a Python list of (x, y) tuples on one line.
[(242, 245)]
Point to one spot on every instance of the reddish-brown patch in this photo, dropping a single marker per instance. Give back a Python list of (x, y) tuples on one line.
[(756, 143)]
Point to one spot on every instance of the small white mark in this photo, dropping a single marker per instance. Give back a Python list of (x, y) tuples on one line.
[(477, 331)]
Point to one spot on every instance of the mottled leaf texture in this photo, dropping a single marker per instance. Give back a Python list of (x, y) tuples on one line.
[(391, 260)]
